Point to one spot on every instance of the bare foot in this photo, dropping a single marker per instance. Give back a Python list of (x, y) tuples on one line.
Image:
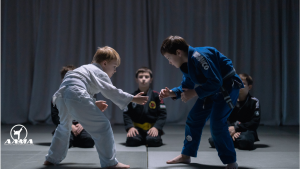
[(120, 165), (232, 166), (47, 163), (180, 159)]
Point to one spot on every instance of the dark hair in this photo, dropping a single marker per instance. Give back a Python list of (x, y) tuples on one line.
[(65, 69), (247, 77), (172, 43), (143, 70)]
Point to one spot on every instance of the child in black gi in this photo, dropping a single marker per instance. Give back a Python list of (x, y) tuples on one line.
[(245, 117), (144, 123)]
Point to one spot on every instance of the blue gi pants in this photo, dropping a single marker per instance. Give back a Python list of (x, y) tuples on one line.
[(218, 111)]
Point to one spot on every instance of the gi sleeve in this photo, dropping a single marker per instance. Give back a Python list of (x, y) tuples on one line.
[(54, 114), (109, 91), (253, 123), (127, 119), (231, 119), (210, 71), (185, 83), (162, 115)]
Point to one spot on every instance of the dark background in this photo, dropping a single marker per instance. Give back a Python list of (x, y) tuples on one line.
[(261, 37)]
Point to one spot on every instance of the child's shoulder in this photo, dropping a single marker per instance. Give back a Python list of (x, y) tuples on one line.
[(255, 101)]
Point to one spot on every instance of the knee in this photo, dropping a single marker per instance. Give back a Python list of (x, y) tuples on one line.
[(133, 141), (153, 141), (218, 128), (89, 143), (245, 145)]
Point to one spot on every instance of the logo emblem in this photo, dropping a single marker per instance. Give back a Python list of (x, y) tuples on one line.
[(18, 134), (189, 138), (152, 105), (202, 60), (133, 105)]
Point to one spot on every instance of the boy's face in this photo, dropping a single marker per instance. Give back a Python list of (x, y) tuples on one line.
[(247, 88), (174, 60), (144, 79), (109, 67)]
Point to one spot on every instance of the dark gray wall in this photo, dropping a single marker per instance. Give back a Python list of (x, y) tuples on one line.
[(38, 37)]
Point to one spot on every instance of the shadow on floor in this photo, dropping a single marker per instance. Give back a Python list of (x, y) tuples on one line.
[(76, 166), (260, 146), (196, 166), (255, 147), (124, 144), (43, 144), (71, 165)]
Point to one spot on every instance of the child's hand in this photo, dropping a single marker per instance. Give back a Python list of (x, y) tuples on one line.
[(77, 129), (231, 130), (101, 105), (74, 129), (236, 135), (132, 132), (153, 132), (139, 99), (164, 93), (187, 94)]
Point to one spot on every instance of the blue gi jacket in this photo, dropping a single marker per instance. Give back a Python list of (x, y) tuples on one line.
[(207, 68)]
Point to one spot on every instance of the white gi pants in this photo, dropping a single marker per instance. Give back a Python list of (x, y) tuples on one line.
[(74, 102)]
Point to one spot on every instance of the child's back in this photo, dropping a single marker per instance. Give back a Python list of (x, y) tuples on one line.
[(74, 100)]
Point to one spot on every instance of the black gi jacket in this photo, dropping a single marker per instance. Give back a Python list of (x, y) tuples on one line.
[(246, 115), (146, 113)]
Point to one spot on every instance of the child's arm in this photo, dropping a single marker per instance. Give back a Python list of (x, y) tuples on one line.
[(177, 91), (126, 117), (253, 123), (164, 93), (204, 63), (118, 96)]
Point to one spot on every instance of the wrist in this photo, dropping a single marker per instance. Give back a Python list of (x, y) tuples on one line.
[(172, 94)]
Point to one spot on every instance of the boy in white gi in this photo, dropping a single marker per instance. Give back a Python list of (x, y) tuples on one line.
[(74, 100)]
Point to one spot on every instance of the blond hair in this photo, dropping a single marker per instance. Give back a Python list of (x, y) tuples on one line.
[(106, 53)]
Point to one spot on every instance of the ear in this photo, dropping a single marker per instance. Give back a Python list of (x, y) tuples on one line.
[(151, 80), (103, 63), (178, 52), (136, 80), (250, 87)]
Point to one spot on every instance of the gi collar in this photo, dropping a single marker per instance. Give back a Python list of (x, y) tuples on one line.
[(97, 65), (191, 52), (148, 92)]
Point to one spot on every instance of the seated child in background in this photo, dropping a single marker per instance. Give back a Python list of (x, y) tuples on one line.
[(79, 136), (144, 123), (74, 100), (245, 117)]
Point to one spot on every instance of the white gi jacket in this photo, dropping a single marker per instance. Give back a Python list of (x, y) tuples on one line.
[(92, 78)]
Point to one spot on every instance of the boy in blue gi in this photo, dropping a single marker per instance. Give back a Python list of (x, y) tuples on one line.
[(210, 76)]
